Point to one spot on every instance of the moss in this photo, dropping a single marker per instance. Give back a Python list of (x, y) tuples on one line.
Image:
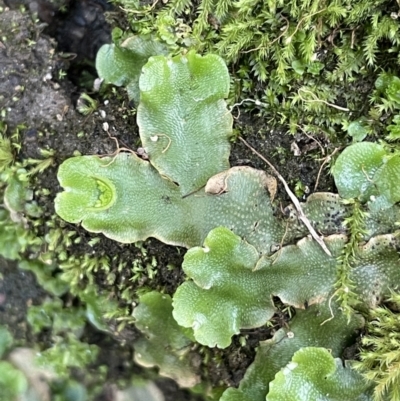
[(380, 356)]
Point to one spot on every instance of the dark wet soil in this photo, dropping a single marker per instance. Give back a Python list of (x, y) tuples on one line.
[(276, 146), (43, 104), (18, 291)]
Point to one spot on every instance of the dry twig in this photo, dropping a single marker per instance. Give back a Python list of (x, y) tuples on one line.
[(295, 201), (312, 138), (326, 159), (275, 40), (319, 100)]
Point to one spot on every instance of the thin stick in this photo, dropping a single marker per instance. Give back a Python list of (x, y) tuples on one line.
[(256, 102), (115, 155), (319, 100), (295, 201), (366, 175), (193, 192), (281, 244), (169, 142), (326, 160), (301, 21), (312, 138), (117, 151), (330, 309), (275, 40)]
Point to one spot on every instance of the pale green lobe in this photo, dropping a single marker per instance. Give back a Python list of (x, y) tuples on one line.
[(87, 189), (113, 196), (379, 222), (313, 327), (366, 171), (314, 375), (238, 200), (226, 294), (121, 65), (355, 168), (165, 345), (233, 286), (387, 179), (325, 211), (303, 273), (183, 120), (357, 130), (376, 269), (15, 195), (114, 63), (220, 243)]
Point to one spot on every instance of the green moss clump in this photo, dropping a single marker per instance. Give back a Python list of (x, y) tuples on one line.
[(380, 352)]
